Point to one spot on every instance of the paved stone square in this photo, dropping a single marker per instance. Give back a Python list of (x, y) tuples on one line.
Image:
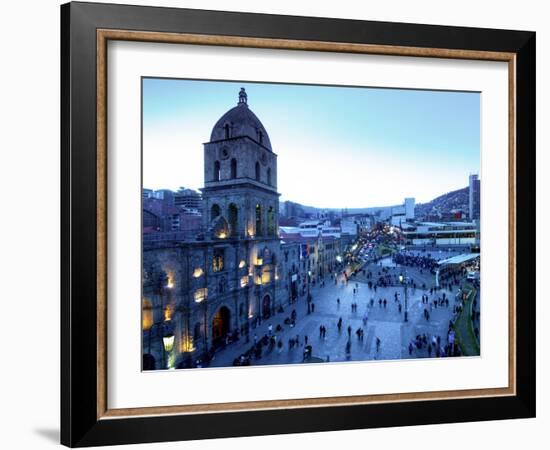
[(386, 324)]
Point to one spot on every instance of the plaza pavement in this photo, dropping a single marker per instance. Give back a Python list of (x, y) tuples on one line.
[(383, 323)]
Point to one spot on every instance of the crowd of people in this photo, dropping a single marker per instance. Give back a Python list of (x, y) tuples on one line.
[(432, 346), (424, 262), (382, 275)]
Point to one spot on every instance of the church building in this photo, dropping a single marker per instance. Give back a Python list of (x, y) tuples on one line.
[(201, 293)]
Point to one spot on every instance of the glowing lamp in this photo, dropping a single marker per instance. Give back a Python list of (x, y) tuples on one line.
[(168, 342)]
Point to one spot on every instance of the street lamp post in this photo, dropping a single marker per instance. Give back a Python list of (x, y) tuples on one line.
[(403, 280)]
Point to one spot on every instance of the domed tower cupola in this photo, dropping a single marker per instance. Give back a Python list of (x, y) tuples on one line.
[(240, 121), (240, 172)]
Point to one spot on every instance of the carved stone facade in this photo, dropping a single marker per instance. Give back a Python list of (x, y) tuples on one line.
[(207, 291)]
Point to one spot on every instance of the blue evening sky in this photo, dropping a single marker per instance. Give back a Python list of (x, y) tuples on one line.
[(337, 146)]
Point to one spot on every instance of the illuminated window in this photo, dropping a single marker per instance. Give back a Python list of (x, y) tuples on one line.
[(217, 261), (200, 295), (147, 314), (168, 313), (266, 275)]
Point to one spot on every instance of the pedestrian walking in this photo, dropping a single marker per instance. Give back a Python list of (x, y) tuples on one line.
[(378, 343)]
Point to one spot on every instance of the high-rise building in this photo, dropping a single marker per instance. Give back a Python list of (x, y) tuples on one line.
[(474, 197), (188, 198), (409, 208)]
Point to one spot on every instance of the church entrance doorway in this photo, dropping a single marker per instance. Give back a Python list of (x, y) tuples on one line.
[(220, 326)]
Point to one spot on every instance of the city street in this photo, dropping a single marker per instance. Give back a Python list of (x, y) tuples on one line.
[(384, 323)]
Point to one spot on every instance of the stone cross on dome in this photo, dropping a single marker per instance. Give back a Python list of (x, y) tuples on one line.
[(242, 97)]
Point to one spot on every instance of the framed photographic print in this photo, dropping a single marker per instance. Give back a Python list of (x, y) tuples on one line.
[(277, 224)]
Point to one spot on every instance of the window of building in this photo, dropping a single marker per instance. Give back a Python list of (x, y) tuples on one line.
[(233, 168), (258, 220), (257, 171), (218, 259), (215, 211), (147, 315), (227, 131), (217, 171), (269, 176), (260, 136), (200, 295), (233, 216), (271, 221)]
